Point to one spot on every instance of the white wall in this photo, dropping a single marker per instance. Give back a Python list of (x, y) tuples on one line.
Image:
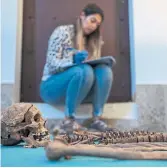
[(150, 41), (8, 38)]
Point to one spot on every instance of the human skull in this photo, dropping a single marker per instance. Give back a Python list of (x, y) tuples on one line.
[(23, 122)]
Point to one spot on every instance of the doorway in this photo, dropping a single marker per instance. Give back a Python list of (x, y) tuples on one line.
[(41, 17)]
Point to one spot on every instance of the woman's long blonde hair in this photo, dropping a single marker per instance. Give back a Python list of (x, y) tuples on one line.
[(92, 43)]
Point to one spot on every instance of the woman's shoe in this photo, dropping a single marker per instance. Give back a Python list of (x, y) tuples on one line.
[(70, 125), (100, 125)]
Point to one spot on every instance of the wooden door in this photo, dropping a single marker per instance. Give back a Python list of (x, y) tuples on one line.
[(41, 17)]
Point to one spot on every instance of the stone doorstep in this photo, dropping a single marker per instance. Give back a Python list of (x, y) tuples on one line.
[(118, 115), (111, 110), (127, 110)]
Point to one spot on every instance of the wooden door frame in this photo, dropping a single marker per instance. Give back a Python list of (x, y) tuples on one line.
[(120, 4)]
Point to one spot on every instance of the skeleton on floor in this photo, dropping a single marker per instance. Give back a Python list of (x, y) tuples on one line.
[(137, 145), (23, 122)]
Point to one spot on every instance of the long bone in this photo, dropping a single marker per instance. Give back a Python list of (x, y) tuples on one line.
[(57, 149)]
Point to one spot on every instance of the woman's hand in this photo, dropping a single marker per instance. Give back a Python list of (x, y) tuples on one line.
[(80, 56)]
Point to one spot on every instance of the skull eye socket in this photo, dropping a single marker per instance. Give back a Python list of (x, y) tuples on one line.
[(37, 118)]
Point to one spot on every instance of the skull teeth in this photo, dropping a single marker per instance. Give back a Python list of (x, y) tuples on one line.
[(41, 136)]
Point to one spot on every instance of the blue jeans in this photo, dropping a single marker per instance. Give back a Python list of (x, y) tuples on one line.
[(77, 84)]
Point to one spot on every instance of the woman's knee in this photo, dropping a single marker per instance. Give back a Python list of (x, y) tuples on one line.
[(85, 72), (104, 72)]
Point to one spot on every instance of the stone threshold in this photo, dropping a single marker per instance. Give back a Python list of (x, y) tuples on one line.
[(126, 110)]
